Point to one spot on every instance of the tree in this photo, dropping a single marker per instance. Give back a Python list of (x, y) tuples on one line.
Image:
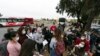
[(84, 10)]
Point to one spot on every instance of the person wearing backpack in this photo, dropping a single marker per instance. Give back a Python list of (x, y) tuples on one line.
[(60, 46)]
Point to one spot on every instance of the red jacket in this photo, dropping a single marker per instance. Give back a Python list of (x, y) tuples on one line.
[(86, 42)]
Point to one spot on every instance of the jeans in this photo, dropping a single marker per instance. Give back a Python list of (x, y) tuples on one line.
[(52, 52)]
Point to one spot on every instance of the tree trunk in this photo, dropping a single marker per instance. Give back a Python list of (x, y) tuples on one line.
[(84, 22), (88, 24)]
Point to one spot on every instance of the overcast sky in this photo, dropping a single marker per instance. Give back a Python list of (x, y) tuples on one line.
[(29, 8)]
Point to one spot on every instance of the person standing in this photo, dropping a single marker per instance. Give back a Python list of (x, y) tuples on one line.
[(53, 46), (39, 38), (13, 47), (60, 45), (22, 31), (47, 36)]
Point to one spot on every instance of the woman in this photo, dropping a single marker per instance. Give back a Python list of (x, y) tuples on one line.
[(3, 44), (60, 46), (13, 47), (22, 31), (57, 44), (27, 48), (53, 46)]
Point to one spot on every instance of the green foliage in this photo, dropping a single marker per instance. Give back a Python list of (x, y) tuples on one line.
[(72, 7), (84, 10), (78, 7)]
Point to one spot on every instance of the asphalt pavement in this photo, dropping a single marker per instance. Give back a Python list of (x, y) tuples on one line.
[(3, 30)]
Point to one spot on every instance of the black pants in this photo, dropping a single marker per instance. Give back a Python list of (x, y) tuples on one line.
[(40, 47)]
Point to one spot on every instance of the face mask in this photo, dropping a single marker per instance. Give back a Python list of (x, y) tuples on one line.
[(81, 45), (17, 38), (23, 31), (82, 38), (47, 29), (62, 36)]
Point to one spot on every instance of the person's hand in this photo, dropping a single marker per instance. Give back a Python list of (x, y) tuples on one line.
[(76, 45)]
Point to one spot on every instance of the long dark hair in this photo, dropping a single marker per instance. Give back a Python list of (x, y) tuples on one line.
[(10, 35), (27, 48), (58, 34)]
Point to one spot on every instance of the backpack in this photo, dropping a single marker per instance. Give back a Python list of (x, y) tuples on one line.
[(60, 48)]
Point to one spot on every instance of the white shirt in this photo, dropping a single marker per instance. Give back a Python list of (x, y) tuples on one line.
[(39, 38), (53, 42)]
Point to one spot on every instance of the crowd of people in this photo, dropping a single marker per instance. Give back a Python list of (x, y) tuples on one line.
[(28, 41)]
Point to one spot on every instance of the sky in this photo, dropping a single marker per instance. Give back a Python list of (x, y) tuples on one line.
[(30, 8)]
